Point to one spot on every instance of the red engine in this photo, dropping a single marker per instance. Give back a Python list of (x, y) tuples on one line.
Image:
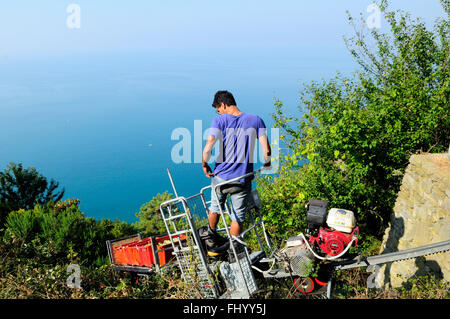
[(333, 242)]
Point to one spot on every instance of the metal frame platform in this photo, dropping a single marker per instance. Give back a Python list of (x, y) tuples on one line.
[(192, 259)]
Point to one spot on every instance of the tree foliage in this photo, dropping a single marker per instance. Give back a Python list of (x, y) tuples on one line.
[(23, 188), (356, 133), (150, 221)]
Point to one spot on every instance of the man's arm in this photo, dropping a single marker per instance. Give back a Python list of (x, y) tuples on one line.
[(267, 151), (206, 155)]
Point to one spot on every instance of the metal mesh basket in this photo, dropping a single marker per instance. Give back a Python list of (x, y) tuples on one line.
[(195, 274), (237, 281), (197, 207)]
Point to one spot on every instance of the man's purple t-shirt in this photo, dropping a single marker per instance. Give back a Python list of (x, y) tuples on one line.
[(236, 136)]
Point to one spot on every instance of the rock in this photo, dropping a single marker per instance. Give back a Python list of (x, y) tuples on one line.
[(421, 217)]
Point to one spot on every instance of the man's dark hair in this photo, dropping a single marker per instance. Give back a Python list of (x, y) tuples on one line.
[(224, 97)]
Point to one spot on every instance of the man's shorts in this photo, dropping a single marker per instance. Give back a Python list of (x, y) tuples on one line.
[(239, 200)]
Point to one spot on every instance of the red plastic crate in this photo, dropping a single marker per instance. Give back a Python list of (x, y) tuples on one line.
[(138, 256), (117, 251), (132, 253), (166, 254), (145, 253), (119, 255), (139, 253), (129, 252)]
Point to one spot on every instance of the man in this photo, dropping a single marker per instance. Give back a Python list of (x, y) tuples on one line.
[(236, 132)]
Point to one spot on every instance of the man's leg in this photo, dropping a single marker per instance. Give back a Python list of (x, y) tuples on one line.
[(235, 228), (239, 203), (213, 219), (213, 216)]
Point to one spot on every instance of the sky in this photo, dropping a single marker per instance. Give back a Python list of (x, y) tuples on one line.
[(31, 28)]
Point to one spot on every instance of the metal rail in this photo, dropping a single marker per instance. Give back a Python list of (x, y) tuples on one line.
[(393, 256)]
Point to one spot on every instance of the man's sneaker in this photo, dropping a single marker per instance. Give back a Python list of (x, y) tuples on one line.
[(239, 247), (214, 239), (214, 243)]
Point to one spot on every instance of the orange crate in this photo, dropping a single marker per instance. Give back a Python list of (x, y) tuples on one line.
[(139, 252), (139, 257), (145, 255), (131, 255), (166, 254), (119, 255), (144, 252)]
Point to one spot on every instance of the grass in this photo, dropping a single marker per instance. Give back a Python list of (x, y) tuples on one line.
[(28, 280)]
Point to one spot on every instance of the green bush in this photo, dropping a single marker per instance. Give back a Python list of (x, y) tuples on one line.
[(56, 236), (283, 203), (22, 225), (150, 220)]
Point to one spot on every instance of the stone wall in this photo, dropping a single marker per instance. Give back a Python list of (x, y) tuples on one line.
[(421, 217)]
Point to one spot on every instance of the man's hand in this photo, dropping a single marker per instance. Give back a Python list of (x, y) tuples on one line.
[(267, 151), (267, 165), (206, 155), (207, 170)]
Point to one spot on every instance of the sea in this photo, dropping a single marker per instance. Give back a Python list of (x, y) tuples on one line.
[(107, 126)]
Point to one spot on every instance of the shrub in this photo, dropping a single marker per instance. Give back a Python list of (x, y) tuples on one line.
[(63, 236), (150, 221)]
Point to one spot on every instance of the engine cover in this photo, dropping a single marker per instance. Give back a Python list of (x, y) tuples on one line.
[(332, 242)]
